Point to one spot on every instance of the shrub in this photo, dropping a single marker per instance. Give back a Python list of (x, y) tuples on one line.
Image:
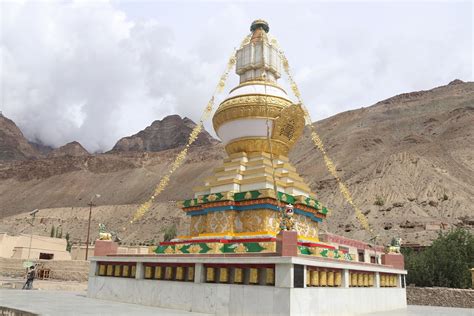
[(379, 201), (445, 263), (170, 233)]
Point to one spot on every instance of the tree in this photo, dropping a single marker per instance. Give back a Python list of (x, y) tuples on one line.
[(170, 233), (53, 231), (68, 242), (445, 263)]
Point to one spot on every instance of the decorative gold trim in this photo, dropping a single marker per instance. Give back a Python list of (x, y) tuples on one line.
[(257, 144), (254, 105)]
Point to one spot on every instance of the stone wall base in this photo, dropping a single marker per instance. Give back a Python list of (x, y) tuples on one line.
[(440, 296)]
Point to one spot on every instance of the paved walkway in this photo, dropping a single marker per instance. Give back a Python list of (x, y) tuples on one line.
[(414, 310), (74, 303)]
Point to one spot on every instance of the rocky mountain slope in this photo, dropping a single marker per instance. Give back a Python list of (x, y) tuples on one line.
[(171, 132), (408, 161), (13, 145), (70, 149)]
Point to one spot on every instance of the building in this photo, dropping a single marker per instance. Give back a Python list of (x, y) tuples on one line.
[(254, 245), (33, 247)]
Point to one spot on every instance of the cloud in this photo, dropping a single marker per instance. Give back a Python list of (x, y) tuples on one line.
[(97, 71)]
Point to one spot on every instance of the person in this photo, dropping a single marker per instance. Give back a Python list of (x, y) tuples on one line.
[(29, 279)]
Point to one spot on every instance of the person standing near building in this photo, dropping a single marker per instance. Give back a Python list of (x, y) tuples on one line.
[(30, 278)]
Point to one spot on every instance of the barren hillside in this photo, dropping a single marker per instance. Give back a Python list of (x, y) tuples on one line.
[(411, 154)]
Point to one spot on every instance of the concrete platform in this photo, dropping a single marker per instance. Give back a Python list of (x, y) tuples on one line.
[(70, 303), (67, 303)]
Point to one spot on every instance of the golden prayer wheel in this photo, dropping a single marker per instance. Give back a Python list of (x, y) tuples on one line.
[(134, 271), (314, 278), (308, 277), (331, 278), (210, 274), (168, 273), (338, 278), (353, 279), (382, 280), (147, 272), (117, 270), (179, 273), (223, 275), (190, 273), (366, 279), (269, 276), (125, 271), (253, 277), (360, 279), (371, 279), (110, 270), (238, 275), (158, 272), (102, 269), (322, 278)]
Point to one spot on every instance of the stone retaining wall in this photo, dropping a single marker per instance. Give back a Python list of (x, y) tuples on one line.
[(440, 296), (67, 270)]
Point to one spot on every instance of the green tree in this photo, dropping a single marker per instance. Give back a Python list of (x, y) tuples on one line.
[(53, 231), (68, 242), (170, 233), (445, 263)]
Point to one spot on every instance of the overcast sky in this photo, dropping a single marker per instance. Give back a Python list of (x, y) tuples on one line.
[(95, 71)]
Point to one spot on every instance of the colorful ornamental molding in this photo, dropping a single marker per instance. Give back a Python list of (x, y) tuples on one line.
[(251, 200)]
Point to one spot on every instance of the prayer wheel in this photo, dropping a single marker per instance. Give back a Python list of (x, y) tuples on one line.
[(238, 275), (179, 273), (269, 276), (360, 279), (366, 279), (210, 274), (322, 278), (330, 278), (337, 278), (314, 278), (190, 274), (158, 272), (223, 275), (353, 279), (371, 279), (147, 272), (253, 276), (168, 273)]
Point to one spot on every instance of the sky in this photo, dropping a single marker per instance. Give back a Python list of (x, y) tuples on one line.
[(96, 71)]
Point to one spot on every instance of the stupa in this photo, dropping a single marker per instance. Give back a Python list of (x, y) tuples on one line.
[(253, 245), (258, 124)]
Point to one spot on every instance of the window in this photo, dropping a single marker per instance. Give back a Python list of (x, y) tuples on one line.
[(361, 255), (46, 256)]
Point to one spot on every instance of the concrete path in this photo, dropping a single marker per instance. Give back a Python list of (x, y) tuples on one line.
[(414, 310), (73, 303)]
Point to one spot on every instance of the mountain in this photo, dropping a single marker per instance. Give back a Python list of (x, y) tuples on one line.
[(13, 145), (171, 132), (407, 160), (74, 149)]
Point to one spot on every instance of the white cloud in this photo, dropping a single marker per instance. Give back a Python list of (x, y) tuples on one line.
[(98, 71)]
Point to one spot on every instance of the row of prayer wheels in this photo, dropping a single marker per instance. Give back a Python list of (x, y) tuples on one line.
[(361, 279), (388, 280), (117, 270), (323, 277), (170, 273), (239, 275)]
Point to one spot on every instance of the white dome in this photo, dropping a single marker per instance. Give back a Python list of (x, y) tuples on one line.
[(258, 89)]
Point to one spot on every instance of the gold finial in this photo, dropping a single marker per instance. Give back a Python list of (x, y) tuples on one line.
[(259, 24)]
